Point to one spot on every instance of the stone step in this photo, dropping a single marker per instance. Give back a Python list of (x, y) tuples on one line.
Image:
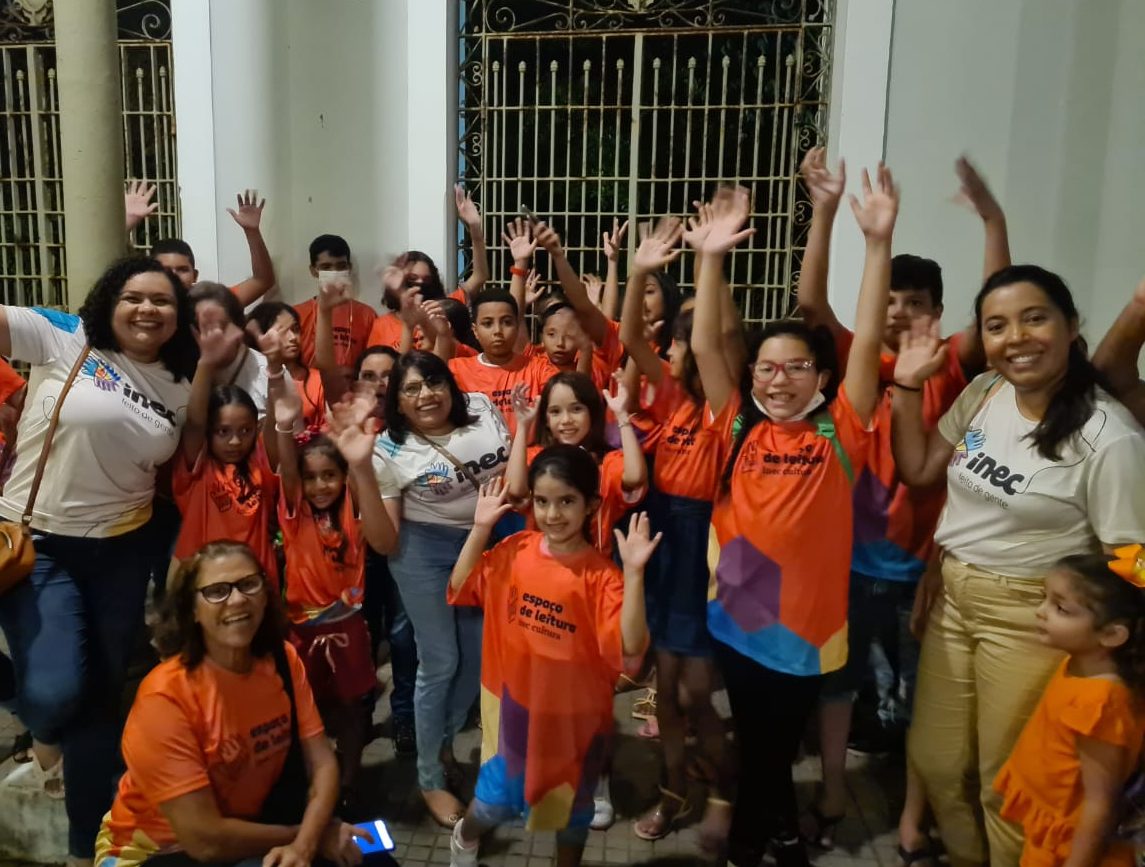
[(33, 827)]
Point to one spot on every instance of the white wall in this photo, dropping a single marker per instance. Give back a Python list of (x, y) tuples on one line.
[(1045, 96), (323, 108)]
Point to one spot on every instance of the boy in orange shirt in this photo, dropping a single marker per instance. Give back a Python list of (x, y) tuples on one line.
[(330, 256), (500, 366)]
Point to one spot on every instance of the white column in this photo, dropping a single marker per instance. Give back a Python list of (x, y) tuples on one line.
[(858, 123), (194, 111), (91, 140), (432, 131)]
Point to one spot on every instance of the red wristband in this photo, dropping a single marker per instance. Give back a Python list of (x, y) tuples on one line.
[(518, 272)]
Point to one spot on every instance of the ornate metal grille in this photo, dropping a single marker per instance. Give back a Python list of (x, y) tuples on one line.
[(722, 91), (33, 268)]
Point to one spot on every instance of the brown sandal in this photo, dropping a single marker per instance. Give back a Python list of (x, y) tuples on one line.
[(447, 820), (666, 823)]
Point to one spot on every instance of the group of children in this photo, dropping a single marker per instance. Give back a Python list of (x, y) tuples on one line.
[(742, 455)]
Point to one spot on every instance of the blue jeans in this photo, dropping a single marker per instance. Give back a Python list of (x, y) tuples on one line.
[(71, 628), (386, 616), (448, 641)]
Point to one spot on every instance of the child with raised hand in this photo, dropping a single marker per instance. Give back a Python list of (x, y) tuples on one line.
[(279, 333), (790, 447), (684, 454), (570, 411), (222, 481), (561, 623), (329, 510), (1064, 778)]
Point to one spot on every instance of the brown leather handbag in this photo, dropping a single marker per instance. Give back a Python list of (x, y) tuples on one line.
[(17, 553)]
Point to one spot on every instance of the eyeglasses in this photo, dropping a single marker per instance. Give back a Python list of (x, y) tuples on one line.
[(220, 591), (436, 385), (767, 370)]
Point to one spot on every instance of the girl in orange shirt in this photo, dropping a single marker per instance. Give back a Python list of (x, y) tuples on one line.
[(561, 622), (1063, 781), (276, 316), (571, 412), (222, 482), (330, 508)]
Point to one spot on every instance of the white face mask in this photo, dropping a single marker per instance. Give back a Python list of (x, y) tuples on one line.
[(816, 401), (329, 278)]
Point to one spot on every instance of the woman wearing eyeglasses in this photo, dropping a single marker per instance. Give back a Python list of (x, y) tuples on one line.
[(440, 445), (226, 761), (790, 449)]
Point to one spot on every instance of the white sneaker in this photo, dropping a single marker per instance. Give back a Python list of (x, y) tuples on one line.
[(461, 855), (32, 778), (603, 814)]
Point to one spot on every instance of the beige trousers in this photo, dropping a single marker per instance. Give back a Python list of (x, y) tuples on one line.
[(980, 675)]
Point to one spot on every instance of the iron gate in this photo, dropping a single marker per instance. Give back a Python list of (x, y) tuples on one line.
[(33, 268), (724, 91)]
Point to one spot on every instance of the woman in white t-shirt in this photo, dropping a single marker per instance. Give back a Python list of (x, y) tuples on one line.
[(71, 625), (440, 445), (1040, 463)]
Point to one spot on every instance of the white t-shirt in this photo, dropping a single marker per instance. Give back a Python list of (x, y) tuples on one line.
[(1012, 511), (248, 372), (431, 488), (119, 422)]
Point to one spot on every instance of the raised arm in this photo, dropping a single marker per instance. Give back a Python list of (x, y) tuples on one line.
[(518, 237), (876, 216), (216, 344), (335, 380), (591, 319), (635, 551), (921, 457), (1117, 355), (731, 326), (138, 203), (492, 506), (283, 409), (354, 429), (611, 241), (517, 471), (470, 215), (658, 249), (975, 194), (635, 474), (826, 189), (249, 218), (729, 211)]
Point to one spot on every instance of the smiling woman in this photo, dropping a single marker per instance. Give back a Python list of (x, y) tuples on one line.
[(1040, 464), (226, 753), (72, 624), (439, 446)]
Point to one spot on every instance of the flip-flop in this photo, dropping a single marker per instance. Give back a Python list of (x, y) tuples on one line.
[(670, 823), (824, 836), (21, 752), (929, 852)]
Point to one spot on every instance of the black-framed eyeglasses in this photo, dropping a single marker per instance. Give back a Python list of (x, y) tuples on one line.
[(435, 384), (220, 591)]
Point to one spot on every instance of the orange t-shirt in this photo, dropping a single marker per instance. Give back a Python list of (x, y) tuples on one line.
[(313, 394), (385, 331), (10, 383), (1041, 784), (208, 728), (894, 523), (614, 500), (601, 373), (496, 382), (218, 503), (551, 651), (684, 448), (779, 590), (352, 325), (325, 565)]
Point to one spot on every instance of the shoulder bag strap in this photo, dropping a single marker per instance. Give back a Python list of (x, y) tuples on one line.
[(448, 455), (26, 519)]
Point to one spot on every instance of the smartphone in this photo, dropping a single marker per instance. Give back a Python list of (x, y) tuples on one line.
[(528, 214), (382, 842)]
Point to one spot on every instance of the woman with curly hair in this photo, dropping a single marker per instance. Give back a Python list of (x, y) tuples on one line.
[(72, 624)]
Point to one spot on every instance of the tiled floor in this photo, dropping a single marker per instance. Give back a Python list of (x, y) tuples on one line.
[(865, 837)]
